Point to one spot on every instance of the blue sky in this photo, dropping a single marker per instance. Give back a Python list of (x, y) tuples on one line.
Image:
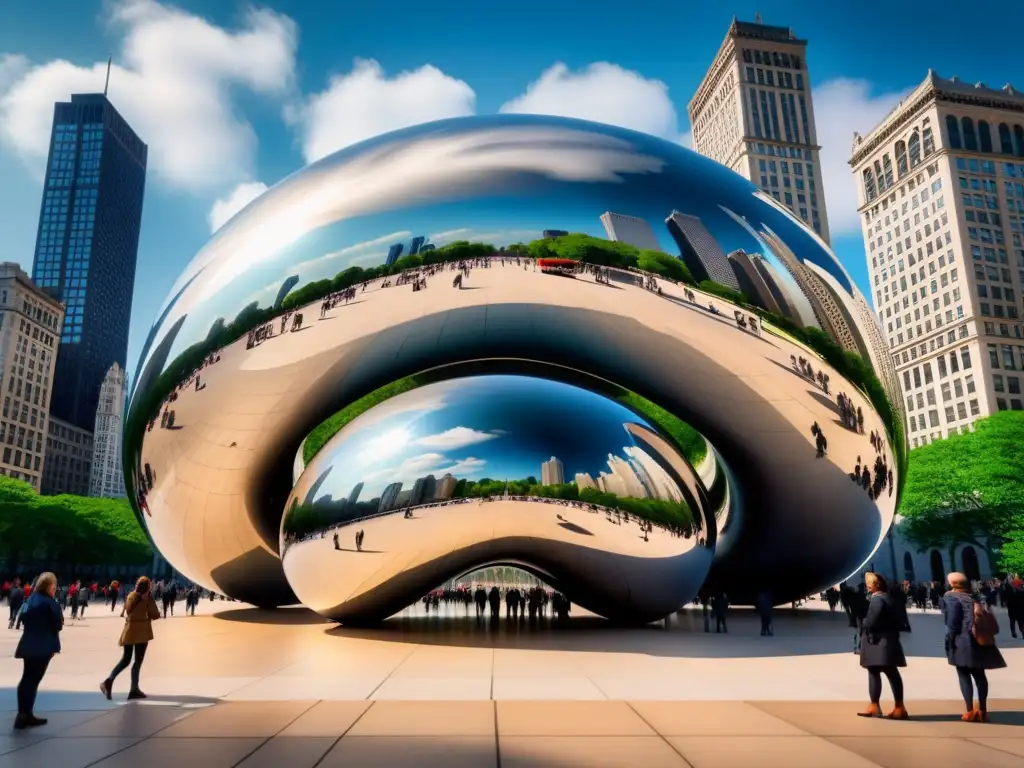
[(232, 96)]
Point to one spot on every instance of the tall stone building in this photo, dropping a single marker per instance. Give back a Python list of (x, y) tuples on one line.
[(107, 478), (753, 113), (30, 328), (941, 199)]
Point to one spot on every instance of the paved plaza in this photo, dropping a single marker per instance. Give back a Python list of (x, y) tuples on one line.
[(237, 686)]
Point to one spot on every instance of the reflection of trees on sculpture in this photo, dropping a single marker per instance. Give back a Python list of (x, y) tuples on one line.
[(970, 487), (308, 519)]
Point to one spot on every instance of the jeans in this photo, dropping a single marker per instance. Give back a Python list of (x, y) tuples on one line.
[(1016, 622), (126, 658), (766, 625), (720, 624), (964, 674), (875, 683), (31, 676)]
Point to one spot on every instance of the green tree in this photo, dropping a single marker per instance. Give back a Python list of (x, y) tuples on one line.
[(662, 264), (724, 291), (970, 487)]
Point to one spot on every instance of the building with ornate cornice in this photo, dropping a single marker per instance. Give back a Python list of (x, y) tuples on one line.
[(941, 198), (753, 113)]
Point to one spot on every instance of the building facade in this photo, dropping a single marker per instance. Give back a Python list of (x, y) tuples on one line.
[(552, 472), (941, 193), (394, 254), (700, 251), (107, 479), (630, 229), (753, 113), (87, 245), (68, 465), (30, 328)]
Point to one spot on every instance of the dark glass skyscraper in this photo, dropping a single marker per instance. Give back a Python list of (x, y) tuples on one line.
[(87, 245)]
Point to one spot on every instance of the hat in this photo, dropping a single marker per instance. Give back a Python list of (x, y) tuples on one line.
[(1018, 583)]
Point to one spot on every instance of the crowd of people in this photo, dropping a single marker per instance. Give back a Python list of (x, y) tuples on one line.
[(534, 603)]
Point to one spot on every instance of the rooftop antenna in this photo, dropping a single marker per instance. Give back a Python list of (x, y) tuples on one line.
[(757, 17), (106, 84)]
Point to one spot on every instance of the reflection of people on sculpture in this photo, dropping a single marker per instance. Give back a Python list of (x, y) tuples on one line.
[(336, 544), (720, 606), (480, 598), (494, 598)]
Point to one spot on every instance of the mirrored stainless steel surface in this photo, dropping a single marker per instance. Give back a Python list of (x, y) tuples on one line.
[(495, 470), (323, 291)]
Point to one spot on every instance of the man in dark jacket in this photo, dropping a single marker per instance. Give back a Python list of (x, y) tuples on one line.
[(15, 600), (1015, 607)]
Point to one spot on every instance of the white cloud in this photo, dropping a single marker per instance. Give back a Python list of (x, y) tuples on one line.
[(226, 207), (455, 438), (841, 107), (172, 83), (686, 139), (365, 103), (425, 464), (12, 68), (604, 93)]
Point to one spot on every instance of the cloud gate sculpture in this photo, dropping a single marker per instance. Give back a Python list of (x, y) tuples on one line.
[(514, 340)]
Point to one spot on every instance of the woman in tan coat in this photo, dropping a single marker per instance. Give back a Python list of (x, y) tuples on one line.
[(140, 610)]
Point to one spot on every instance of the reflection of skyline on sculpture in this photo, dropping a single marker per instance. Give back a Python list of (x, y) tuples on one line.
[(509, 429), (323, 226)]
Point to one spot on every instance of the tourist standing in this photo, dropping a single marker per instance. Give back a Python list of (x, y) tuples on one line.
[(970, 645), (15, 600), (764, 610), (39, 642), (881, 652), (140, 612)]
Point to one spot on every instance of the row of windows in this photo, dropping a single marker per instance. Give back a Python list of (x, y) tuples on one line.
[(925, 347), (772, 58), (767, 77), (962, 135)]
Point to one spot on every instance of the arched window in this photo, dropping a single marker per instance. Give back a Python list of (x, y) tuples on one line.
[(901, 158), (1005, 140), (970, 139), (879, 177), (938, 570), (984, 136), (915, 149), (1018, 139), (908, 567), (953, 132), (970, 560), (887, 165), (929, 141), (870, 193)]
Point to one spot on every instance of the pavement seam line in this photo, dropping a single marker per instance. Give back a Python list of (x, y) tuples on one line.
[(497, 736), (369, 696), (343, 735), (267, 740), (975, 740), (659, 734)]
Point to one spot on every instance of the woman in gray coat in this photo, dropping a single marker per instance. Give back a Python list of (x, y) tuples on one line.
[(881, 652), (970, 645)]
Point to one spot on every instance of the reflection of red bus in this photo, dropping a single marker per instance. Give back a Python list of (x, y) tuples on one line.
[(562, 267)]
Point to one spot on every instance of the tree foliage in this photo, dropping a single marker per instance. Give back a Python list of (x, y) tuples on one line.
[(970, 487), (72, 530)]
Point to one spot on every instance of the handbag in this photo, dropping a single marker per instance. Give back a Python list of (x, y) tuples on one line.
[(985, 629)]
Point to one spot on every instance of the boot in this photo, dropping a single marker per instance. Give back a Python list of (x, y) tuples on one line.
[(971, 716), (106, 687), (982, 716), (899, 712), (873, 710), (136, 694)]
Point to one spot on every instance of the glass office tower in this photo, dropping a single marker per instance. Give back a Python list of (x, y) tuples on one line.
[(87, 245)]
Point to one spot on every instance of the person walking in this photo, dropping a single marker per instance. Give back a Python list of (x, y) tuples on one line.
[(140, 612), (764, 610), (15, 600), (970, 645), (881, 652), (39, 642)]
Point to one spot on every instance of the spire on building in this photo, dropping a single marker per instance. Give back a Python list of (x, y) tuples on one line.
[(757, 17)]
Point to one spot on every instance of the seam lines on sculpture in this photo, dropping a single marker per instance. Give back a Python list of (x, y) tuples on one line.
[(369, 696), (343, 735), (497, 737)]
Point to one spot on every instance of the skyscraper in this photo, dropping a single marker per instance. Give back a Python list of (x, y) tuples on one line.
[(389, 497), (417, 244), (552, 472), (107, 479), (753, 113), (752, 282), (630, 229), (29, 319), (87, 245), (285, 289), (941, 192), (699, 249), (394, 254)]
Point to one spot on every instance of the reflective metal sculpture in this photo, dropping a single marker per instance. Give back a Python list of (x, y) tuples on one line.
[(519, 281)]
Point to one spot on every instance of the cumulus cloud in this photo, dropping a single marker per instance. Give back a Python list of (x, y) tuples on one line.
[(414, 467), (604, 93), (686, 139), (172, 82), (455, 438), (226, 207), (366, 102), (841, 107)]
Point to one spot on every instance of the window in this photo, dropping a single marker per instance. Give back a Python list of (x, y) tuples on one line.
[(953, 132), (965, 357)]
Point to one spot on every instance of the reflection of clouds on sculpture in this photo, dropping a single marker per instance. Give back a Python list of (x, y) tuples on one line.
[(551, 432)]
